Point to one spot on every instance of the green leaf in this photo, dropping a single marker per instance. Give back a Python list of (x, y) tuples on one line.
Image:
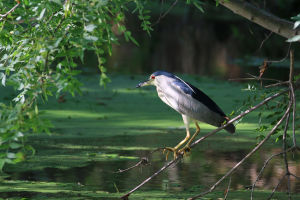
[(14, 145), (90, 27), (11, 155), (90, 38), (42, 14), (296, 17), (197, 5), (296, 24), (19, 157), (279, 138), (294, 39), (104, 79), (3, 78)]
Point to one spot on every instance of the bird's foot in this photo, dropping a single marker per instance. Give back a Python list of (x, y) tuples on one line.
[(168, 150), (184, 150)]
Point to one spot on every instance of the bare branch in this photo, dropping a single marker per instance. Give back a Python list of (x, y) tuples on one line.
[(247, 156), (275, 188), (264, 166), (152, 176), (261, 17), (143, 161), (266, 38), (161, 16), (292, 91), (228, 188), (10, 11), (289, 186), (282, 59), (284, 154), (256, 78), (277, 84), (284, 143)]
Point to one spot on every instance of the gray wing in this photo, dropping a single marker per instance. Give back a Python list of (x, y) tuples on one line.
[(197, 105)]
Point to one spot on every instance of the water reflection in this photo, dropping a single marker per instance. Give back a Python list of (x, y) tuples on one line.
[(197, 172)]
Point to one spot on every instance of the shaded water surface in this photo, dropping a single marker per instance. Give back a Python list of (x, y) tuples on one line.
[(197, 172)]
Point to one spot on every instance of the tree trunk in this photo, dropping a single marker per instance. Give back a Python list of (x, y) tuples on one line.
[(267, 20)]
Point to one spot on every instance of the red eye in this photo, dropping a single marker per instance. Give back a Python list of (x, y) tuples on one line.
[(152, 77)]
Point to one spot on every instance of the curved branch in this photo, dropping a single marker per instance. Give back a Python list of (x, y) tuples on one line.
[(247, 156), (261, 17), (264, 166), (10, 11)]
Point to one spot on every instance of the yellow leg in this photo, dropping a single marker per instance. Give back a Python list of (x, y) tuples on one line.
[(187, 146), (174, 150)]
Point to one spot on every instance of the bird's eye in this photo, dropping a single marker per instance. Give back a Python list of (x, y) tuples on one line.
[(152, 77)]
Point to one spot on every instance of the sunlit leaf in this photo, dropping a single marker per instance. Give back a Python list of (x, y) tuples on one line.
[(90, 27), (42, 14), (14, 145), (11, 155), (90, 37), (3, 78), (296, 24), (294, 39)]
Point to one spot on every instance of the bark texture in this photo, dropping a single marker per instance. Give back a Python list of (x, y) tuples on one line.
[(261, 17)]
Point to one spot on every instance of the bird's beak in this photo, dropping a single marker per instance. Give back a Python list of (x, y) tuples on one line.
[(145, 83)]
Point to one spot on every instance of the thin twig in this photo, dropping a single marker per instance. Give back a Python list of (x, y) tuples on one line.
[(292, 89), (277, 84), (284, 142), (228, 188), (247, 156), (263, 168), (180, 156), (162, 16), (10, 11), (265, 165), (275, 188), (143, 161), (289, 186), (59, 24), (282, 59), (264, 40), (284, 154), (152, 176), (256, 78), (264, 79)]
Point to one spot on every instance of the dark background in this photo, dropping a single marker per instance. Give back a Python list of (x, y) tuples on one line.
[(215, 43)]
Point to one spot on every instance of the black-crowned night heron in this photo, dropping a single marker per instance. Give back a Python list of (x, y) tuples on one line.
[(190, 102)]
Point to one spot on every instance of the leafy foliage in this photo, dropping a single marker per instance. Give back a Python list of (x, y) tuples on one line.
[(41, 44), (296, 24), (268, 115)]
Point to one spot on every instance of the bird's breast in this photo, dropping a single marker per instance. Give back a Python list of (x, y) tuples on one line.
[(168, 96)]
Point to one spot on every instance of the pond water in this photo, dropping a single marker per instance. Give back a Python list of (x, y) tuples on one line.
[(196, 172)]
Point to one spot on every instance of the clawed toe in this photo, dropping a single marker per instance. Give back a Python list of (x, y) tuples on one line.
[(185, 150), (168, 150)]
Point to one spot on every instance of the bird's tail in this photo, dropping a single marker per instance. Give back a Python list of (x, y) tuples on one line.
[(230, 128)]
